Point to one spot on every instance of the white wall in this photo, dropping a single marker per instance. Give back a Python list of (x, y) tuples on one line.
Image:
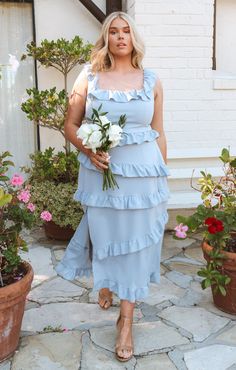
[(56, 19), (200, 109), (199, 104)]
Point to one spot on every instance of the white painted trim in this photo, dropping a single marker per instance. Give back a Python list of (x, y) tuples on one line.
[(184, 200), (187, 173), (197, 153)]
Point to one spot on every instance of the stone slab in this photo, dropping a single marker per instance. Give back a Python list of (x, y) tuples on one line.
[(59, 254), (41, 261), (168, 252), (148, 336), (177, 357), (52, 351), (170, 242), (184, 268), (94, 357), (203, 325), (164, 291), (6, 365), (229, 335), (69, 315), (209, 306), (85, 282), (179, 279), (56, 290), (195, 252), (184, 260), (155, 362), (217, 357)]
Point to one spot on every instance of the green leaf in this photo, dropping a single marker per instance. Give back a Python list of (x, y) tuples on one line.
[(227, 280), (222, 290), (202, 273), (207, 283), (4, 178), (8, 163), (225, 157), (233, 163), (5, 199), (6, 154)]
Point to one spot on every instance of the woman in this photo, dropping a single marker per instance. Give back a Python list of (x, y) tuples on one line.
[(120, 236)]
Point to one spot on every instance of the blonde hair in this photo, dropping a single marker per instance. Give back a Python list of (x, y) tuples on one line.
[(102, 59)]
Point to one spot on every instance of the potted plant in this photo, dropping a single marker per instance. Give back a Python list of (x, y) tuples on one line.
[(53, 182), (216, 219), (48, 109), (16, 275)]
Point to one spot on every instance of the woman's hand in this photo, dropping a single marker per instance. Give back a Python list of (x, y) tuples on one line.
[(100, 159)]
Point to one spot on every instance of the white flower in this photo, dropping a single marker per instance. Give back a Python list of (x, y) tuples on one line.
[(83, 132), (94, 140), (104, 120), (114, 143), (114, 134), (13, 62), (94, 126)]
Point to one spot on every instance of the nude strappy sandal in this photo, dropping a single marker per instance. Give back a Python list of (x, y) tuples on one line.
[(119, 348), (108, 300)]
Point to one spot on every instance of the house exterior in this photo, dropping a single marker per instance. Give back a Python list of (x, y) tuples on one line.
[(190, 44)]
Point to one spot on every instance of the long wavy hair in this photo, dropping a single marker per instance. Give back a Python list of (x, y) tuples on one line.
[(102, 59)]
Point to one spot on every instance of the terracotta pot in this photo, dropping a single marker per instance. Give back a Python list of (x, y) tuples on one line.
[(12, 305), (53, 231), (225, 303)]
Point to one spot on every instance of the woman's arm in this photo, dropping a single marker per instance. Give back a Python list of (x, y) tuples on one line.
[(74, 117), (157, 120), (76, 111)]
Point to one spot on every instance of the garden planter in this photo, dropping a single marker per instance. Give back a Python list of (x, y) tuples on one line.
[(53, 231), (12, 304), (225, 303)]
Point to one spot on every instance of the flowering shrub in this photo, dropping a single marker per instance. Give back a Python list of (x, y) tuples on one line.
[(55, 202), (16, 213), (216, 219), (53, 182)]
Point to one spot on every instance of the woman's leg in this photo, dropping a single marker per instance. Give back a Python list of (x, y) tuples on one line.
[(124, 344)]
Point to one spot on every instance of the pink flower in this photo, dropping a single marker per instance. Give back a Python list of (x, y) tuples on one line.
[(181, 231), (46, 216), (31, 207), (65, 330), (17, 180), (24, 196)]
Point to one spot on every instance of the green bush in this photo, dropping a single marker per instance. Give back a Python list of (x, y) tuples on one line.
[(58, 200), (59, 167)]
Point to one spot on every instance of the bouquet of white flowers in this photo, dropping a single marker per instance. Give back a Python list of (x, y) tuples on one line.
[(102, 134)]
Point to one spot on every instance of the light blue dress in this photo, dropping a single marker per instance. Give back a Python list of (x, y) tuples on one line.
[(119, 238)]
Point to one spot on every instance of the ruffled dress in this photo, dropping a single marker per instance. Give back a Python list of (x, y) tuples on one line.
[(119, 238)]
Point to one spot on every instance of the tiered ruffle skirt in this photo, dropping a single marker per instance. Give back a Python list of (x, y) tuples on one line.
[(120, 236)]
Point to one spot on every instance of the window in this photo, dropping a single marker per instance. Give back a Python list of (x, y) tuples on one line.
[(225, 36), (16, 29)]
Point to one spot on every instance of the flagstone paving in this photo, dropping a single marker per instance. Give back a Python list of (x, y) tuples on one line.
[(176, 327)]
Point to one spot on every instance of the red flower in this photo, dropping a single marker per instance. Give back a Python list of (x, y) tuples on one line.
[(214, 225)]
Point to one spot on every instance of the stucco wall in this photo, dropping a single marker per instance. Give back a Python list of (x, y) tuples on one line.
[(53, 20)]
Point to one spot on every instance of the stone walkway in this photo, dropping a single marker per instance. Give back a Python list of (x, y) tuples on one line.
[(177, 327)]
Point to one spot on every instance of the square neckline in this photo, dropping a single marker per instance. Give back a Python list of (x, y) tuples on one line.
[(121, 91)]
